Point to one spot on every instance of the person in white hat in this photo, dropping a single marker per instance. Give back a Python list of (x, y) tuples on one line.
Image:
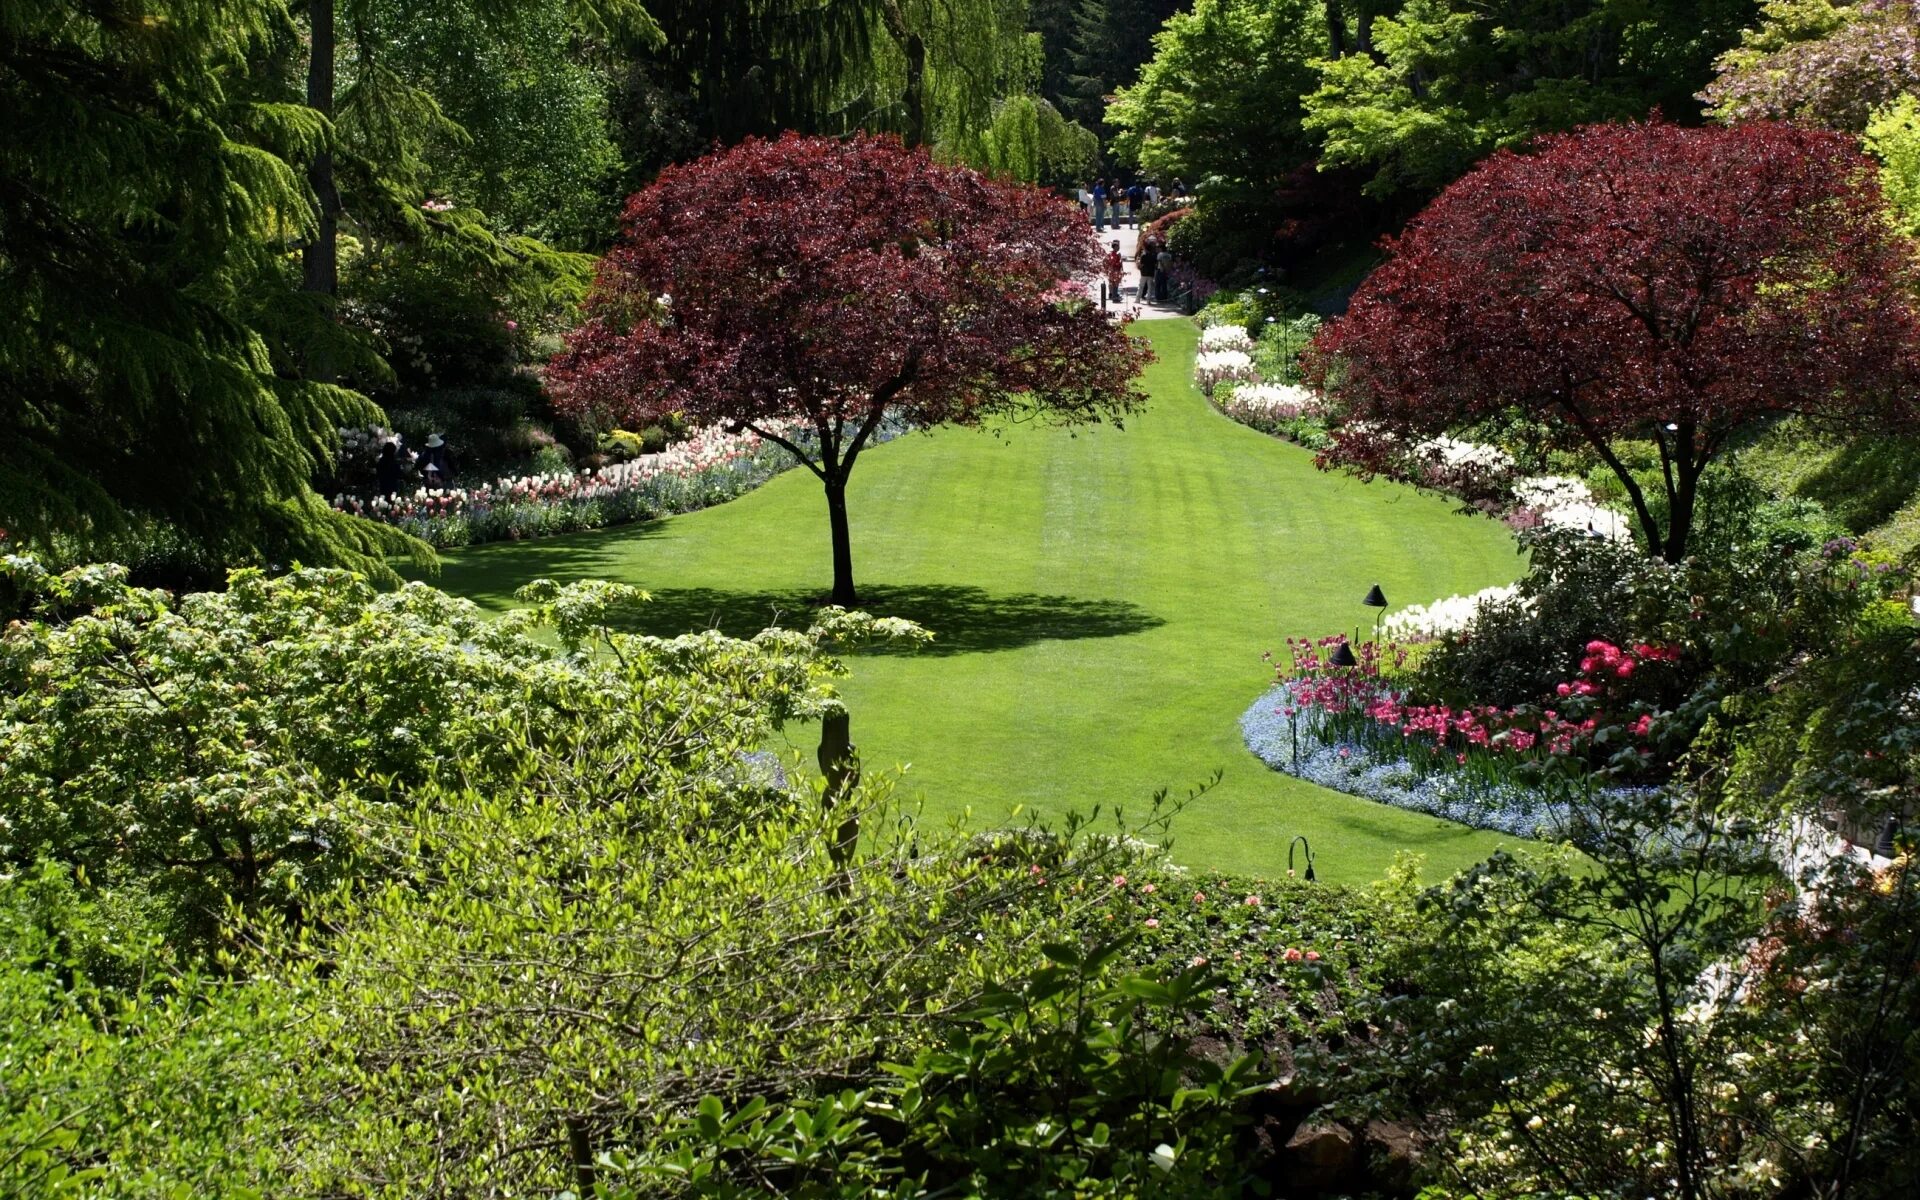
[(433, 461)]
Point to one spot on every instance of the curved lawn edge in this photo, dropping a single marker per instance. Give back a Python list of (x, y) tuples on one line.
[(1290, 747)]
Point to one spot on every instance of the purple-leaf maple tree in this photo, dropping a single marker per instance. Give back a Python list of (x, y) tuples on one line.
[(808, 289), (1635, 282), (1829, 62)]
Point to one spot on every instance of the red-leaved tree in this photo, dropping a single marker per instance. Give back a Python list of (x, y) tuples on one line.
[(808, 289), (1640, 282)]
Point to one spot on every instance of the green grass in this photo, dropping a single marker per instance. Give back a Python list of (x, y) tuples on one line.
[(1102, 601), (1872, 484)]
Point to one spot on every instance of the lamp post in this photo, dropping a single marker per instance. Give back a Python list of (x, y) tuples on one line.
[(1376, 598), (1300, 840), (1342, 655)]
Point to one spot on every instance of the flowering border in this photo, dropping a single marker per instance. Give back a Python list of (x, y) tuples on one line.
[(712, 467), (1294, 747)]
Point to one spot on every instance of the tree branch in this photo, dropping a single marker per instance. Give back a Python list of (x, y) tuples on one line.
[(791, 448)]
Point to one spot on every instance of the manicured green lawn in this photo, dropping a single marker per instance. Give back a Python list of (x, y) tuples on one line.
[(1102, 602)]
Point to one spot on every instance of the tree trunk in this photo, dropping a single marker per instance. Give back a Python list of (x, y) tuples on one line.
[(318, 259), (914, 48), (1336, 30), (843, 593), (1680, 507)]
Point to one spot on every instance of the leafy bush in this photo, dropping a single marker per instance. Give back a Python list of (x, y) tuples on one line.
[(234, 747), (1218, 240), (149, 1083), (1577, 589), (1057, 1084)]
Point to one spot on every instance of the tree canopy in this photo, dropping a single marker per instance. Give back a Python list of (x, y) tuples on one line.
[(1636, 282), (150, 195), (1826, 61), (808, 289), (1220, 98), (1415, 92)]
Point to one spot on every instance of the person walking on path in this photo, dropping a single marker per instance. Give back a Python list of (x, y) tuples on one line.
[(1116, 270), (1099, 204), (1163, 269), (1149, 259), (1136, 200), (386, 472), (1153, 193)]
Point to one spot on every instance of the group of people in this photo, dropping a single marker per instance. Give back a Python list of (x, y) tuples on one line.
[(431, 460), (1156, 269), (1109, 200)]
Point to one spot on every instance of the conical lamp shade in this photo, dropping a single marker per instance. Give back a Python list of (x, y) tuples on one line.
[(1375, 597), (1343, 656)]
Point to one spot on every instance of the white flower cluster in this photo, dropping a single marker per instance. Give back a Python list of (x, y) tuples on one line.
[(1225, 337), (1457, 455), (1451, 614), (364, 441), (1567, 503), (1269, 402), (1211, 368)]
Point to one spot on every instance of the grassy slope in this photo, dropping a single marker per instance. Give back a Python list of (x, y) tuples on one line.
[(1871, 484), (1102, 602)]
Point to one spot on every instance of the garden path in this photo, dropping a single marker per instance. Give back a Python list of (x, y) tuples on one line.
[(1129, 303)]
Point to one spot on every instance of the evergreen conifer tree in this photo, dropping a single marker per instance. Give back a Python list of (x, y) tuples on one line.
[(151, 203)]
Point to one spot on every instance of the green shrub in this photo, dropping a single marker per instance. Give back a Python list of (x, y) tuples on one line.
[(233, 747), (1055, 1085), (1577, 589)]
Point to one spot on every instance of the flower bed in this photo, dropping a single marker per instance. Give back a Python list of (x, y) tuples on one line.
[(1268, 406), (1211, 368), (709, 468), (1285, 742), (1225, 337), (1448, 615), (1349, 728)]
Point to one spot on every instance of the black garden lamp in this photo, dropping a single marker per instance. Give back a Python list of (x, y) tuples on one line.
[(1376, 599), (1302, 843), (1342, 656), (1884, 848)]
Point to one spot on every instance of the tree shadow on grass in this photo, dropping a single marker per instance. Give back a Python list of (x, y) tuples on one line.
[(498, 569), (964, 620)]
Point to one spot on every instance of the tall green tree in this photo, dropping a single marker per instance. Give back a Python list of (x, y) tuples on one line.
[(386, 74), (1420, 92), (151, 198), (1112, 40), (1221, 97)]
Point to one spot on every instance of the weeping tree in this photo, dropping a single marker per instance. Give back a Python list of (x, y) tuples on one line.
[(757, 66), (378, 71), (150, 193), (938, 73)]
